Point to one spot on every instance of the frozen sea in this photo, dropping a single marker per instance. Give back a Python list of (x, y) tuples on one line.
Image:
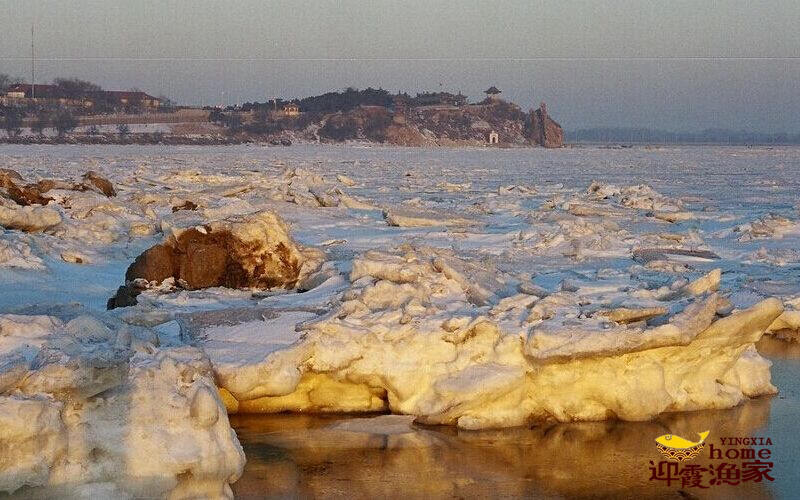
[(727, 186), (744, 205)]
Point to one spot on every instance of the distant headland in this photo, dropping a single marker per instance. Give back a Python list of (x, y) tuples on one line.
[(75, 111)]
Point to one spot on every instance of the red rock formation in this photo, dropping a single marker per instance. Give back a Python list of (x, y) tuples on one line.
[(544, 131)]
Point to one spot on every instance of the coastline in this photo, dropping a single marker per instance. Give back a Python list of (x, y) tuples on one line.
[(184, 140), (156, 139)]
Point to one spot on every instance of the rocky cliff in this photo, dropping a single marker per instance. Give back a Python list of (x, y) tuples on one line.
[(544, 131), (468, 125)]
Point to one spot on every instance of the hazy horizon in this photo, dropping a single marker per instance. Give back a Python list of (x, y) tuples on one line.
[(623, 63)]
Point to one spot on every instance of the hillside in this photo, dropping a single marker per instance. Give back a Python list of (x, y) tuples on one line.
[(440, 126)]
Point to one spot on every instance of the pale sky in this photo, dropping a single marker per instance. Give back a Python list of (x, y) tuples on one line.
[(674, 64)]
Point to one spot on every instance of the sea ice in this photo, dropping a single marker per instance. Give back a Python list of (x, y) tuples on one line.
[(29, 219), (461, 287), (413, 338), (83, 401)]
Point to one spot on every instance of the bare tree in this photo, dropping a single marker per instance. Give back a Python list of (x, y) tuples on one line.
[(64, 123), (74, 87), (7, 81), (42, 122), (12, 121)]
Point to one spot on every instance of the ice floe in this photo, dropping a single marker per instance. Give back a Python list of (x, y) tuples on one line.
[(418, 333), (85, 401)]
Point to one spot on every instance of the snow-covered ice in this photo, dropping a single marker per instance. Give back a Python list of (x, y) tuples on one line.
[(464, 287), (91, 402)]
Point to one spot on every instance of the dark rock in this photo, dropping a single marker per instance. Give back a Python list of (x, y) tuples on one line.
[(125, 297), (186, 205)]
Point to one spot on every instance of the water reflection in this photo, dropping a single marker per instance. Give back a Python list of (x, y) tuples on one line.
[(775, 349), (388, 456)]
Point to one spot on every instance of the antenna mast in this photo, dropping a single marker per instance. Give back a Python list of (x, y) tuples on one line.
[(33, 67)]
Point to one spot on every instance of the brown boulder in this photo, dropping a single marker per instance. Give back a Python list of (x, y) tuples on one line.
[(45, 185), (31, 194), (101, 183), (26, 195), (206, 265), (256, 252), (157, 263), (11, 181)]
